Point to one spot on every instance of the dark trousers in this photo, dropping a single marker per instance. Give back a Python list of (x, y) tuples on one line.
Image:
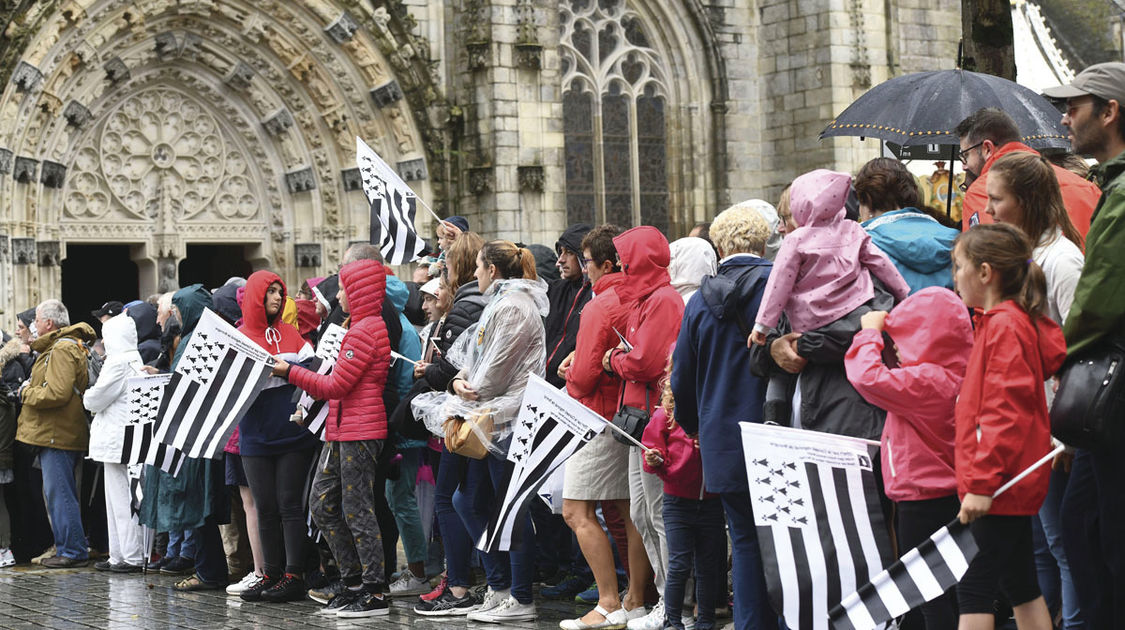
[(278, 483), (752, 609), (917, 521), (210, 558), (696, 540), (454, 536), (1092, 512), (342, 501), (31, 530)]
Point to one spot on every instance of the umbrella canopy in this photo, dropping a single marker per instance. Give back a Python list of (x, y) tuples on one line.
[(925, 107)]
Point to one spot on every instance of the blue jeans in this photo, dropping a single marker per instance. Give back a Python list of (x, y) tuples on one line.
[(752, 609), (181, 544), (402, 503), (475, 502), (61, 492), (696, 539), (210, 559), (1050, 556), (454, 537)]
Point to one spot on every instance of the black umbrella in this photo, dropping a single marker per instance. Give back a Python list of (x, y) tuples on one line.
[(925, 107)]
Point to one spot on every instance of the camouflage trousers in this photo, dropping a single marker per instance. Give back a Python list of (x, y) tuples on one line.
[(342, 500)]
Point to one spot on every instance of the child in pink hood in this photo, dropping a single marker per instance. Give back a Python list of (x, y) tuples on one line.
[(693, 519), (823, 270), (933, 337)]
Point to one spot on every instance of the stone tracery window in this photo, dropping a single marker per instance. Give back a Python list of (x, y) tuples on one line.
[(614, 110)]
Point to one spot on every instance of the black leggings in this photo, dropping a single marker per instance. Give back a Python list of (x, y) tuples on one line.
[(917, 521), (277, 483)]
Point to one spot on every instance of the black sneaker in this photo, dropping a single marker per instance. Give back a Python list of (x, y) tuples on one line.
[(124, 567), (367, 605), (254, 592), (341, 600), (325, 593), (447, 605), (103, 565), (178, 566), (290, 588)]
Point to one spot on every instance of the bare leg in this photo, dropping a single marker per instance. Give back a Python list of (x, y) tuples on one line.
[(976, 621), (1033, 615), (640, 571), (252, 528), (583, 520)]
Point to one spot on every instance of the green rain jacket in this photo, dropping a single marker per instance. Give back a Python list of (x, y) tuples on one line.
[(185, 501), (1099, 298)]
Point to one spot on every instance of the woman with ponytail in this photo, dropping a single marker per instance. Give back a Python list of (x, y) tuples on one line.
[(1023, 191), (1002, 426), (507, 345)]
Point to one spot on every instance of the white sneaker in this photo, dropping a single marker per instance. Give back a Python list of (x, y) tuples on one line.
[(408, 584), (238, 587), (654, 620), (7, 558), (688, 621), (508, 611), (492, 599)]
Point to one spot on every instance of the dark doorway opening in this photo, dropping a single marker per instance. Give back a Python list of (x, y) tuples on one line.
[(95, 274), (213, 265)]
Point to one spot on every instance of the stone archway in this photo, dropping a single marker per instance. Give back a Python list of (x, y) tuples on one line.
[(161, 123)]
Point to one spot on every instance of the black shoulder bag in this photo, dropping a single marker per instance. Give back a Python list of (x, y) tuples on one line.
[(630, 419), (1089, 407)]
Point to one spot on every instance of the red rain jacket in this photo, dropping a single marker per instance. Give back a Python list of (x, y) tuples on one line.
[(1002, 423), (656, 311), (354, 388), (934, 337), (682, 471), (586, 381), (276, 336), (1079, 195)]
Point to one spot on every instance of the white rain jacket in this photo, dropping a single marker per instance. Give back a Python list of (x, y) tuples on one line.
[(106, 398), (496, 357), (692, 258)]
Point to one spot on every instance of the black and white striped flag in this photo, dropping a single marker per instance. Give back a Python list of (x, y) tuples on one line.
[(216, 380), (393, 206), (550, 427), (136, 488), (140, 447), (143, 395), (316, 411), (923, 574), (820, 525)]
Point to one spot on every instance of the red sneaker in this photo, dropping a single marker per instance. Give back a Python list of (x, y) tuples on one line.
[(436, 593)]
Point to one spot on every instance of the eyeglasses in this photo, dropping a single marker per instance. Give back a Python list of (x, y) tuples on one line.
[(964, 155)]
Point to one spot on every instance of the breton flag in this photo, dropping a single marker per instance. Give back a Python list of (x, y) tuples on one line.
[(820, 524), (393, 206), (143, 394), (550, 427), (217, 378), (923, 574), (327, 349), (136, 488)]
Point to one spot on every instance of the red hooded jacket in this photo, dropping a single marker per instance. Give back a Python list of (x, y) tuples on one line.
[(682, 471), (934, 337), (1079, 195), (586, 381), (656, 311), (1002, 422), (354, 388), (276, 336)]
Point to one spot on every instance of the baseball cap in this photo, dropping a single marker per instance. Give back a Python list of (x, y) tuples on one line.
[(431, 287), (1105, 80), (112, 309)]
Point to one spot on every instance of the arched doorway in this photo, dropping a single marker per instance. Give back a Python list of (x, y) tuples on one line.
[(96, 274)]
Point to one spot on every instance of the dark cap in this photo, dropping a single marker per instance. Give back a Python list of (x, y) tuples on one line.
[(112, 309), (1105, 80), (460, 222)]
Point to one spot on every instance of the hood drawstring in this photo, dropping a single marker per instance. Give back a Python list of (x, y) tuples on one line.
[(274, 337)]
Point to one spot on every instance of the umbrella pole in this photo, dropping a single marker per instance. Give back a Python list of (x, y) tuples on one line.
[(949, 198)]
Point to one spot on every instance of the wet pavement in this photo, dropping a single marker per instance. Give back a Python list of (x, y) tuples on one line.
[(35, 597)]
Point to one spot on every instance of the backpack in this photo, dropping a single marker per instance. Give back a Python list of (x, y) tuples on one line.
[(94, 363)]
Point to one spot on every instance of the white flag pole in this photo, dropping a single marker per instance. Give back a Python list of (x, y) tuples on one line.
[(1030, 469), (397, 356)]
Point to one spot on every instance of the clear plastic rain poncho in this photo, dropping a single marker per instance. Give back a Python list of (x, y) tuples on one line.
[(495, 357)]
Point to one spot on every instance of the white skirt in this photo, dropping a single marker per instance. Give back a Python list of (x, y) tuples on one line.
[(599, 471)]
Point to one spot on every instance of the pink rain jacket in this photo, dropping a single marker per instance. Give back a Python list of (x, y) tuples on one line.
[(934, 336), (823, 270)]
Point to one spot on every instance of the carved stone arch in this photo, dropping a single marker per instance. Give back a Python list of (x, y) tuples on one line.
[(287, 84)]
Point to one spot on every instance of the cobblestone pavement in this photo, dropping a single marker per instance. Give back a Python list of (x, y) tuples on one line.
[(34, 597)]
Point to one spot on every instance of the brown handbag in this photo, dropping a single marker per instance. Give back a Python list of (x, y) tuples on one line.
[(460, 438)]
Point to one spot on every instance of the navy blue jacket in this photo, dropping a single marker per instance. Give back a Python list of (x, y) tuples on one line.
[(711, 377)]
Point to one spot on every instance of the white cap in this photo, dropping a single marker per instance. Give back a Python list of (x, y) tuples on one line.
[(431, 287)]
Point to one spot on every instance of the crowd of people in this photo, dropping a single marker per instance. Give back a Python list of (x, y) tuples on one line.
[(849, 308)]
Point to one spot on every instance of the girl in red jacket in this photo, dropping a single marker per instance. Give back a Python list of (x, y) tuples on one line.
[(1001, 420), (342, 499), (693, 519)]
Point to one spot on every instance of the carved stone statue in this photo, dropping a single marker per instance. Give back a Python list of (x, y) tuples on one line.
[(400, 127), (368, 62)]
